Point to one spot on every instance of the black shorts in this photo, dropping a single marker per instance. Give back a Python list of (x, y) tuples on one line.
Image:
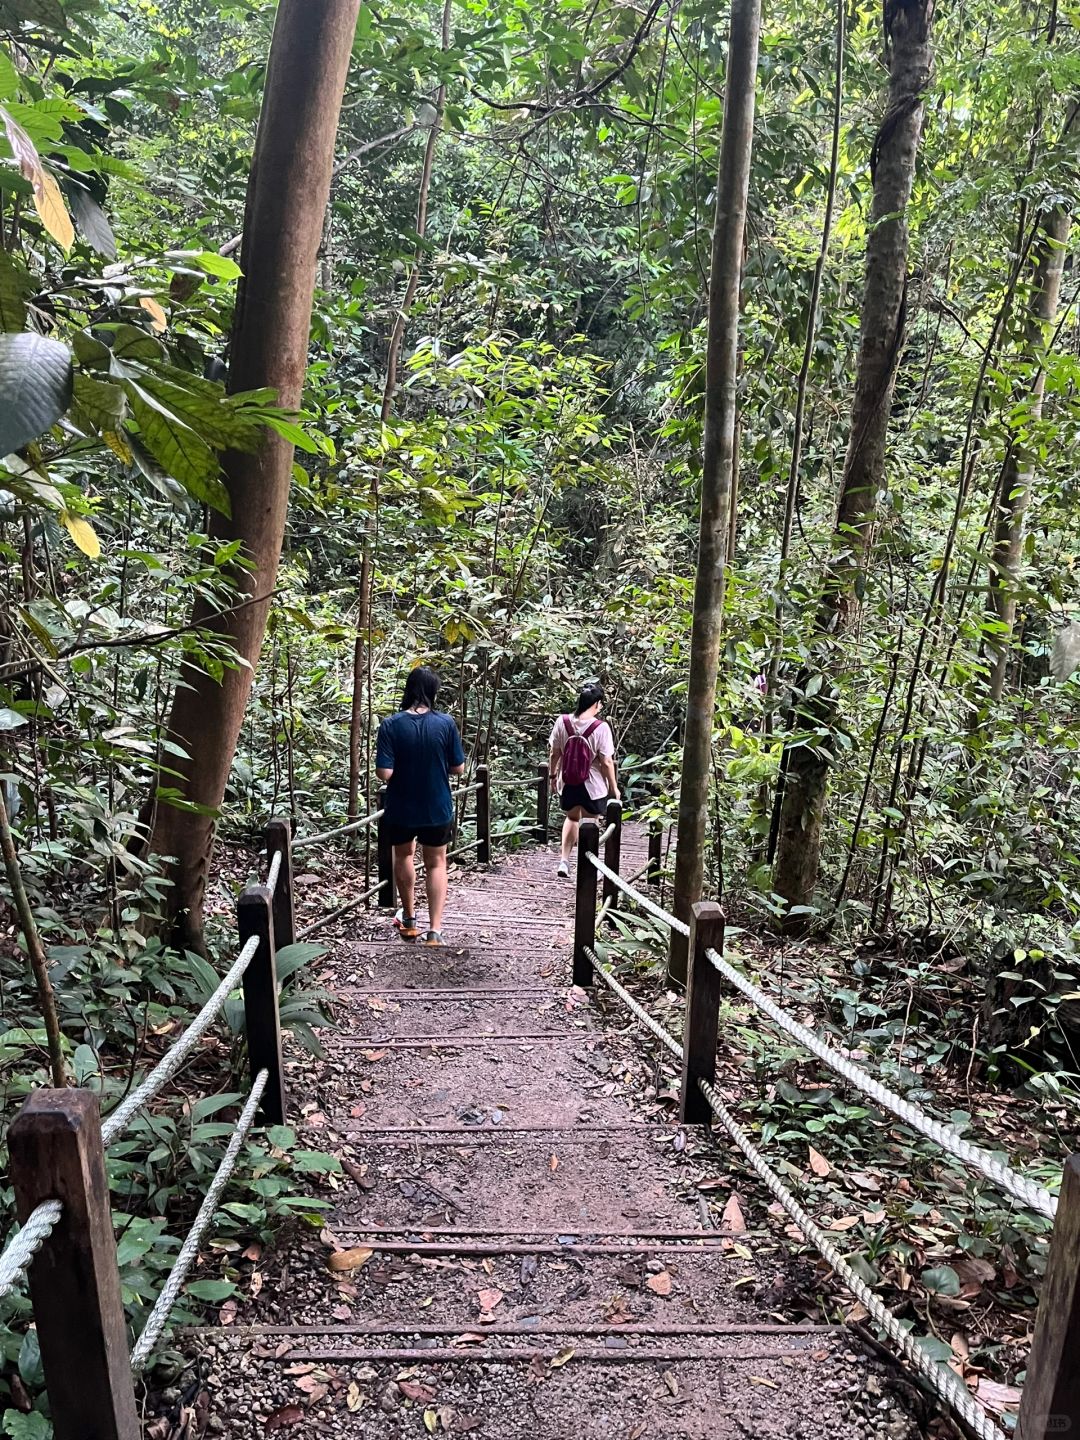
[(574, 796), (430, 835)]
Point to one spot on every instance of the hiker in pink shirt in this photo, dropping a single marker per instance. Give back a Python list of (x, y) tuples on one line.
[(582, 766)]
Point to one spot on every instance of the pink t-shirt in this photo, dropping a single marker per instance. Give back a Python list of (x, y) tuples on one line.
[(602, 744)]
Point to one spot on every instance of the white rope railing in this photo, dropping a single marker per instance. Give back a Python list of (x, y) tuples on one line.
[(1028, 1192), (605, 835), (22, 1248), (352, 825), (643, 900), (173, 1059), (942, 1380), (166, 1301), (530, 781), (274, 871), (945, 1384)]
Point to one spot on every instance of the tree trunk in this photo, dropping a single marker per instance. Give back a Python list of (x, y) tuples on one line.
[(1048, 264), (362, 643), (721, 370), (881, 342), (286, 200)]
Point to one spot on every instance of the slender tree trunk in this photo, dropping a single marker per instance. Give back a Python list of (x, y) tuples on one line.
[(362, 644), (1048, 263), (718, 463), (286, 200), (881, 342), (35, 951)]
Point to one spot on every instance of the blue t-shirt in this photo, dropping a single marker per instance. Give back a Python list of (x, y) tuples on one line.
[(420, 749)]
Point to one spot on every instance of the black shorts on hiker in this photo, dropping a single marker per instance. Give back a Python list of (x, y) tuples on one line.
[(430, 835), (574, 796)]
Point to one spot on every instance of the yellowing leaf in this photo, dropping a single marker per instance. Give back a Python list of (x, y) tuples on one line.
[(562, 1357), (159, 321), (82, 532), (118, 444), (760, 1380), (431, 1420), (49, 204)]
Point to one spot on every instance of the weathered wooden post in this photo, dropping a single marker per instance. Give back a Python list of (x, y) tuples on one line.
[(585, 901), (543, 800), (656, 839), (1050, 1404), (254, 917), (386, 897), (612, 848), (702, 1012), (483, 815), (279, 841), (56, 1154)]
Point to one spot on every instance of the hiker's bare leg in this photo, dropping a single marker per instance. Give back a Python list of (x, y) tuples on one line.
[(405, 877), (570, 831), (435, 880)]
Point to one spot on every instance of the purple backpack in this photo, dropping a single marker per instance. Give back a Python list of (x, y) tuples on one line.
[(577, 755)]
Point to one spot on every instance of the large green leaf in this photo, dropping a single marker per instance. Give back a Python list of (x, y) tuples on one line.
[(177, 448), (9, 77), (15, 289), (33, 12), (92, 222), (99, 402), (35, 387), (212, 416)]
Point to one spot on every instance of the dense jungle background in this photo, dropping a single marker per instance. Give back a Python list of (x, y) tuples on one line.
[(497, 471)]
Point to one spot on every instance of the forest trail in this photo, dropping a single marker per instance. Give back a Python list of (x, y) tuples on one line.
[(535, 1252)]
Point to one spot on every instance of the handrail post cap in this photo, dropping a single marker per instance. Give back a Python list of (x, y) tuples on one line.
[(707, 910)]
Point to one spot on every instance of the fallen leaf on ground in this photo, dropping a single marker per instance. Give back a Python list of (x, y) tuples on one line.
[(488, 1299), (760, 1380), (553, 1163), (227, 1313), (354, 1398), (818, 1164), (671, 1383), (413, 1390), (562, 1357), (348, 1259), (283, 1417), (996, 1397), (660, 1284), (732, 1218), (373, 1055), (431, 1421), (845, 1222)]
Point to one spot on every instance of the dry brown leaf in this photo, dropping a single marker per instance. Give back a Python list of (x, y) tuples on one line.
[(845, 1222), (671, 1383), (996, 1397), (348, 1259), (553, 1164), (431, 1421), (565, 1354), (760, 1380), (283, 1417), (660, 1284), (732, 1218), (413, 1390), (159, 321), (227, 1313), (488, 1299), (818, 1164)]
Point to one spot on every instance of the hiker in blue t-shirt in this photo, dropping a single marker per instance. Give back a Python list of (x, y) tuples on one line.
[(417, 751)]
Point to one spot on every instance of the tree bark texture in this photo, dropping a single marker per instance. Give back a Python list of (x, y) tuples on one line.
[(1048, 263), (287, 194), (881, 342), (718, 464)]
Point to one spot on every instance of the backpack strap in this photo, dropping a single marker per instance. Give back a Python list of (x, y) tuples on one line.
[(568, 726), (595, 725)]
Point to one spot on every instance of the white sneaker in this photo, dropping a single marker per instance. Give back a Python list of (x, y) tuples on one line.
[(563, 871)]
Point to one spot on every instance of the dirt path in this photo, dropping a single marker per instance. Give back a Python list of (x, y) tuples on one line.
[(545, 1253)]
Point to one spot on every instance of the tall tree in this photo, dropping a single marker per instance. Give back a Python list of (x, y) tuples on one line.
[(881, 343), (718, 462), (286, 200), (1048, 263)]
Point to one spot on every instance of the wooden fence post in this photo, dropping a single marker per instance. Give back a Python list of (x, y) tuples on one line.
[(56, 1154), (1050, 1406), (279, 840), (656, 839), (254, 917), (483, 815), (613, 848), (543, 800), (386, 897), (702, 1012), (585, 902)]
